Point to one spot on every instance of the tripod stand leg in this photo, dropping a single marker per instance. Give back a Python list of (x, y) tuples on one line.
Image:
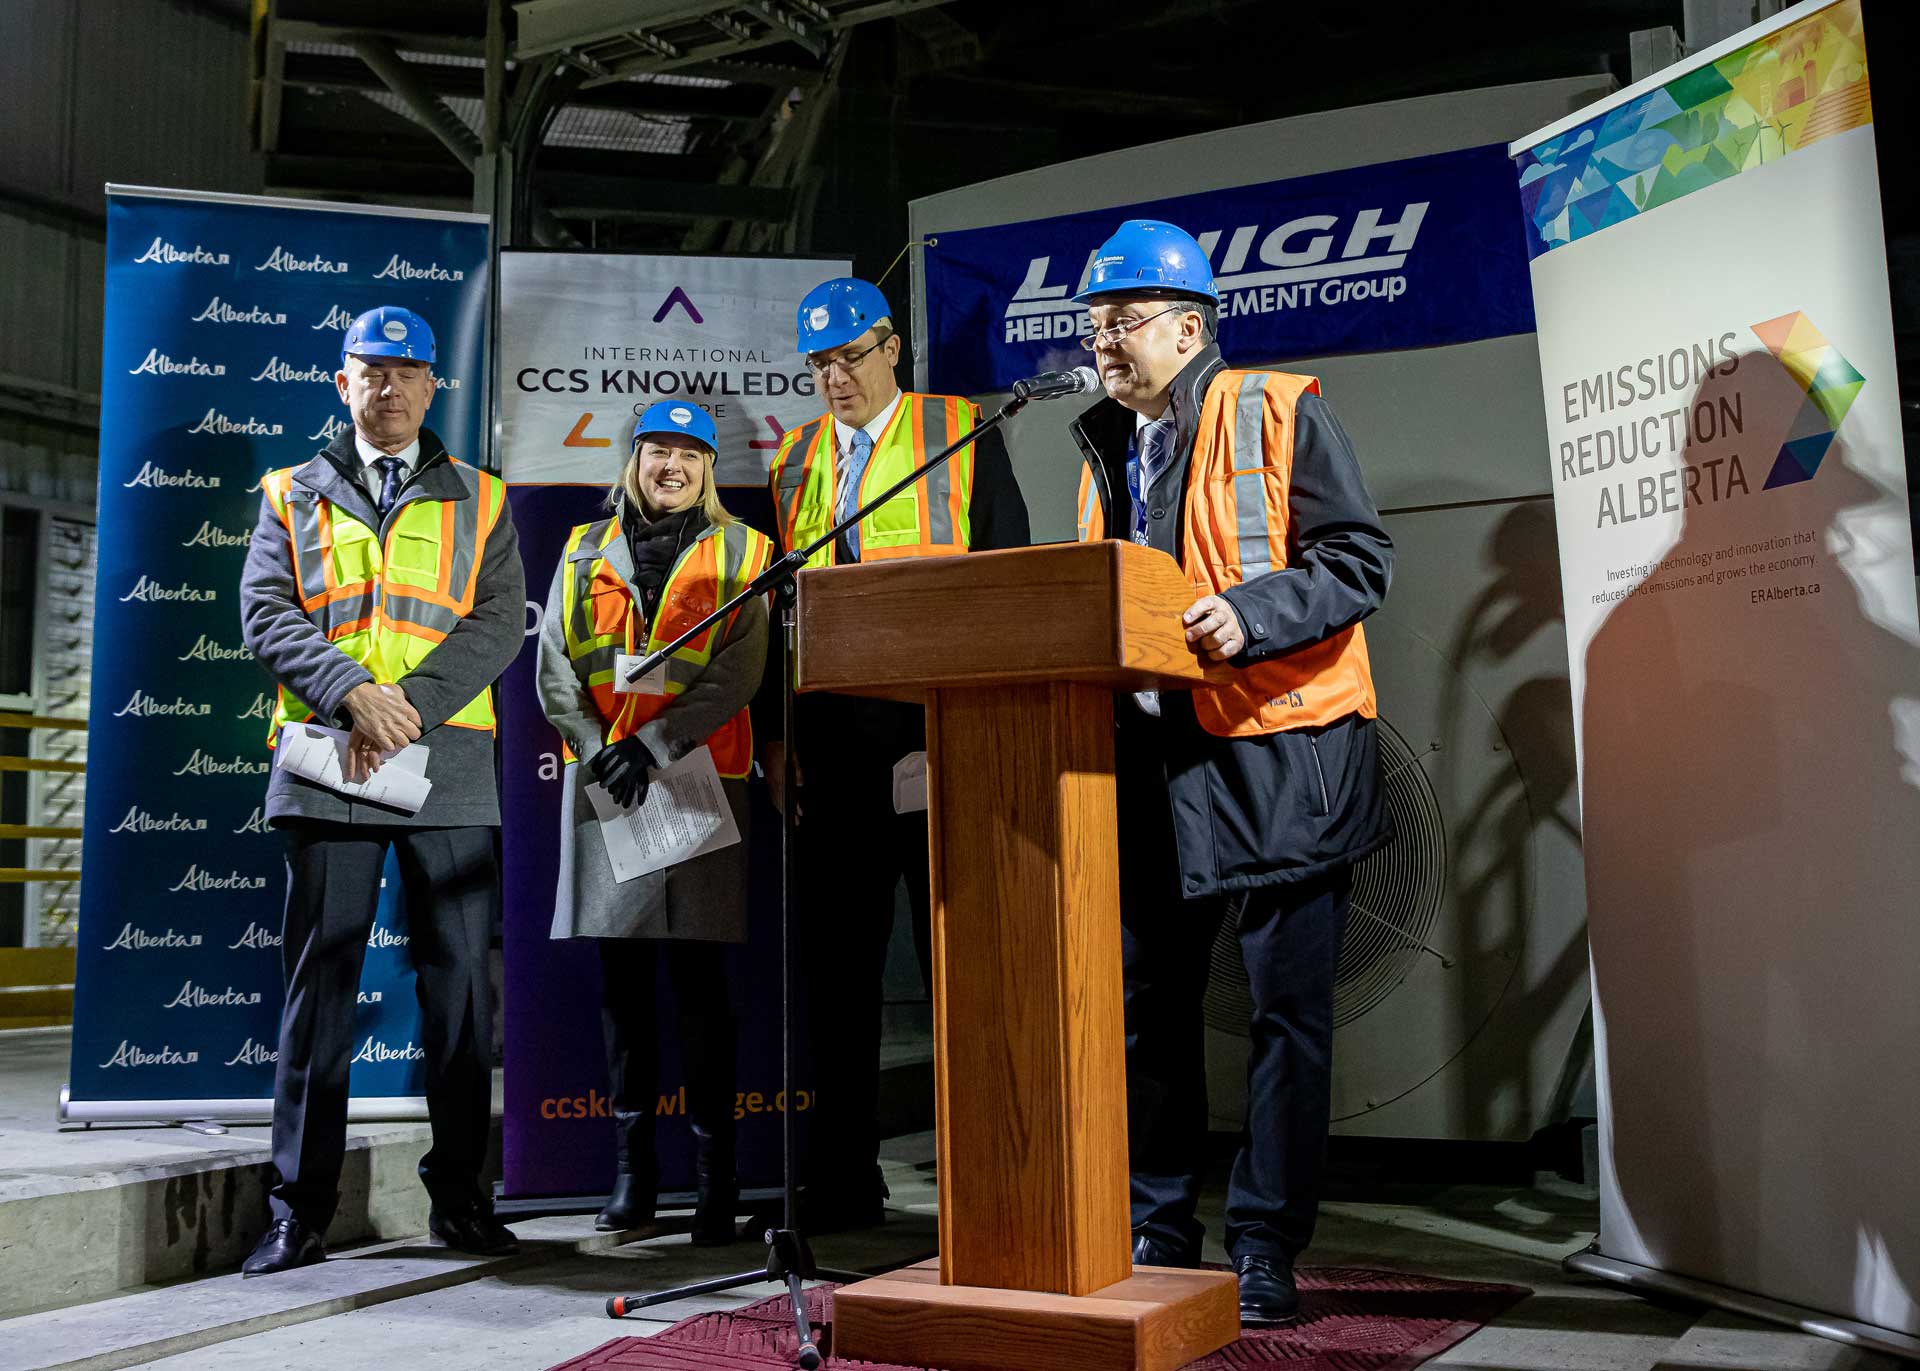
[(809, 1354)]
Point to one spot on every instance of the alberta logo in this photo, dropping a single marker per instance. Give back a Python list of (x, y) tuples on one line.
[(1831, 385)]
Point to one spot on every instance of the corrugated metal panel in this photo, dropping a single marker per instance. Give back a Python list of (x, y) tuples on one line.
[(161, 99), (36, 301), (51, 463), (36, 59), (89, 311)]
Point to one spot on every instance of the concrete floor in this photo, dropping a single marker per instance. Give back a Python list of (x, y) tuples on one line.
[(404, 1304)]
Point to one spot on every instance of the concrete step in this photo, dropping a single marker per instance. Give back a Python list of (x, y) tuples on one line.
[(87, 1212), (127, 1330)]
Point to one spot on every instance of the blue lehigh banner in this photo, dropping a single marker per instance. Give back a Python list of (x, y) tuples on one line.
[(1412, 253), (224, 318)]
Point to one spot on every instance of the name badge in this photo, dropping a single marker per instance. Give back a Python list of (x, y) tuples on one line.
[(653, 683)]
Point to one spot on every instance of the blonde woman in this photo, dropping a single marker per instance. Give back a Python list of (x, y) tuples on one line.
[(665, 556)]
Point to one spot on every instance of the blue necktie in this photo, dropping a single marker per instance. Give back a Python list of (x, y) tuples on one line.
[(393, 475), (857, 458), (1156, 450)]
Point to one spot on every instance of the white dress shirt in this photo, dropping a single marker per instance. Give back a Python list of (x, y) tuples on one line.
[(843, 447), (369, 454)]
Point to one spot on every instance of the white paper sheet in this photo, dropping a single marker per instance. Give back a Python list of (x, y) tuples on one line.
[(685, 815), (320, 755), (910, 783)]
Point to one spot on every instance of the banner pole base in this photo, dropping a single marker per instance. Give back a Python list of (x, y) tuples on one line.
[(1651, 1279)]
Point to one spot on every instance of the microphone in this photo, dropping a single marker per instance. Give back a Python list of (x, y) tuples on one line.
[(1051, 385)]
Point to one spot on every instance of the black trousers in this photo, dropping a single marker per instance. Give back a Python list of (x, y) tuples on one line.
[(1289, 938), (853, 851), (630, 1025), (451, 879)]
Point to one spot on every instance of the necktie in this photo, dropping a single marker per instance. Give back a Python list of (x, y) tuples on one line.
[(393, 474), (1155, 446), (856, 466)]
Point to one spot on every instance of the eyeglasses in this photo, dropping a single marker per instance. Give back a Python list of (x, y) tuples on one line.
[(846, 361), (1111, 337)]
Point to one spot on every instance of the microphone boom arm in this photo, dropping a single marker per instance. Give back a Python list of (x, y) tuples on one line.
[(783, 569)]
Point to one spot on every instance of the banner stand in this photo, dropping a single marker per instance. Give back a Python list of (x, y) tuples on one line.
[(1724, 438), (1650, 1280), (224, 316)]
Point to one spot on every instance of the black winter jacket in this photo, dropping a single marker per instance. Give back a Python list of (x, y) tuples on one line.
[(1283, 806)]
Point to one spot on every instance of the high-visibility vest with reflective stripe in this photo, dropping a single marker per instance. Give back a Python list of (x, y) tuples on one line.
[(928, 519), (387, 604), (605, 619), (1234, 528)]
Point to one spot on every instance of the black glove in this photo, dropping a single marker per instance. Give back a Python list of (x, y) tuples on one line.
[(622, 768)]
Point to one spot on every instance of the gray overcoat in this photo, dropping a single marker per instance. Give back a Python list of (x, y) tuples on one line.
[(297, 654), (705, 898)]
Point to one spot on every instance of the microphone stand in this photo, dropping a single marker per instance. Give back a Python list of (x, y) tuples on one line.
[(789, 1259)]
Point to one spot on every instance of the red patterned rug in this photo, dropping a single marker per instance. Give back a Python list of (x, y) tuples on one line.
[(1352, 1320)]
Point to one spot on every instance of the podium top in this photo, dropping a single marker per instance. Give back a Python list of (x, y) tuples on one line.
[(1103, 613)]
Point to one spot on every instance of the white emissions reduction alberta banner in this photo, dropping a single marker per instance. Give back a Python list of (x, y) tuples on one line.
[(224, 318), (1716, 343), (589, 340)]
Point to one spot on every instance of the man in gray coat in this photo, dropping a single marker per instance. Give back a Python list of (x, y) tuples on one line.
[(384, 593)]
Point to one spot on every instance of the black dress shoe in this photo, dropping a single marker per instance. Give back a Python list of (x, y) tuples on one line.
[(472, 1230), (1267, 1292), (287, 1244), (1149, 1251), (629, 1206)]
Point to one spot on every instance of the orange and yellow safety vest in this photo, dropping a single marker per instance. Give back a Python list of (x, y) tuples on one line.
[(927, 519), (605, 619), (387, 603), (1234, 528)]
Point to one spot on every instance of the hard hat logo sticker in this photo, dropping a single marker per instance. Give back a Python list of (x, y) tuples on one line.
[(820, 317), (394, 329), (680, 415)]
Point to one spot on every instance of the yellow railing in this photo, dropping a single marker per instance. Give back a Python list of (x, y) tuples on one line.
[(36, 986), (36, 983)]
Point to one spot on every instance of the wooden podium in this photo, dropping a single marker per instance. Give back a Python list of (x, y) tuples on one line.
[(1015, 655)]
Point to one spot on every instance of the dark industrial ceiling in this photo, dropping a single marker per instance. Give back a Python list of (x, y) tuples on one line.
[(663, 124)]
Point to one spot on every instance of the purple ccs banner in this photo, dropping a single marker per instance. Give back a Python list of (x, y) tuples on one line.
[(1398, 254), (586, 341)]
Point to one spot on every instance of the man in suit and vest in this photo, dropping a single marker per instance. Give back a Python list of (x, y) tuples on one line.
[(383, 592), (854, 847), (1248, 801)]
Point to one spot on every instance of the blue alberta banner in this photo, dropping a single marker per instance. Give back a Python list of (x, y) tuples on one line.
[(224, 318), (1403, 254)]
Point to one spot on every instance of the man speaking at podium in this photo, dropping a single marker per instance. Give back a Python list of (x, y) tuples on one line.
[(1251, 800), (856, 843)]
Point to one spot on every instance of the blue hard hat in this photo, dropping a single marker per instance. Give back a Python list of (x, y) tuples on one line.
[(388, 331), (682, 417), (836, 312), (1146, 255)]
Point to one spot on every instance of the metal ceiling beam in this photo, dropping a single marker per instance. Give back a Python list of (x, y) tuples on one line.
[(321, 71), (426, 107), (553, 25), (791, 23), (556, 25), (706, 55), (306, 31)]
